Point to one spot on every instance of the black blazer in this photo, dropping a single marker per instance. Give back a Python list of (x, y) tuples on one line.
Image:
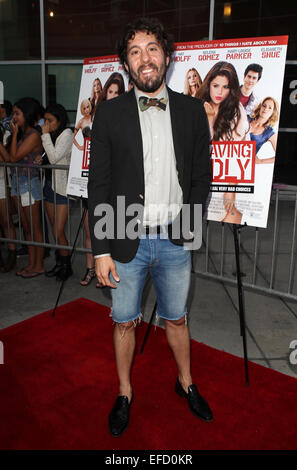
[(116, 163)]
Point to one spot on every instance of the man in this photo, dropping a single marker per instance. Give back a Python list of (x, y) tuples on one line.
[(248, 99), (155, 154)]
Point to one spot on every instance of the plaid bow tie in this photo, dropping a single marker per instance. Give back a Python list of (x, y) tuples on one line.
[(145, 103)]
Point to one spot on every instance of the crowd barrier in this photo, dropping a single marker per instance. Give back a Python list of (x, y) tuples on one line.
[(268, 256)]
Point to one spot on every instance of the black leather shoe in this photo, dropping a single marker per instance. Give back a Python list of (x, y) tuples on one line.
[(54, 271), (119, 416), (196, 402)]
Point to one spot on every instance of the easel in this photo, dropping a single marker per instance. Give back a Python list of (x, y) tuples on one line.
[(241, 300), (71, 255), (241, 305)]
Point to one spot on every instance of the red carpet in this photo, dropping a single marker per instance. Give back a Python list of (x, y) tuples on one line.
[(58, 384)]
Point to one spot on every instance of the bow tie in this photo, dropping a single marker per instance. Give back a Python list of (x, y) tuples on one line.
[(145, 103)]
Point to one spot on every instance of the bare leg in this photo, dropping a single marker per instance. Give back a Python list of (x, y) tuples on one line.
[(89, 256), (27, 234), (7, 225), (124, 346), (61, 219), (35, 252), (178, 338)]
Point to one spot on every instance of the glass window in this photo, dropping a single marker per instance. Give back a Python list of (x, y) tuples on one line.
[(286, 162), (285, 170), (186, 20), (63, 83), (19, 29), (252, 18), (20, 81), (76, 29), (288, 117), (79, 29)]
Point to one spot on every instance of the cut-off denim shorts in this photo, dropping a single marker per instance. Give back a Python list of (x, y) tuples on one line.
[(49, 195), (170, 268), (24, 186)]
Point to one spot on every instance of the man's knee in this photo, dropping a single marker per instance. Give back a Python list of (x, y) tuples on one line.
[(125, 327)]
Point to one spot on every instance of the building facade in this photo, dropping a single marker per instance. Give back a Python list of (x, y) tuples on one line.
[(43, 44)]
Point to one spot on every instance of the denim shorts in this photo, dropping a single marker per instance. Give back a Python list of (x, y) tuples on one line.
[(24, 186), (170, 268), (49, 195)]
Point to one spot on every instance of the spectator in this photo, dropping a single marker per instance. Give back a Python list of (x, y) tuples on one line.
[(5, 212), (57, 142), (26, 148)]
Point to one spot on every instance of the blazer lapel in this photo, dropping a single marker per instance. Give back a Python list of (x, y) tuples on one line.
[(176, 114), (133, 132)]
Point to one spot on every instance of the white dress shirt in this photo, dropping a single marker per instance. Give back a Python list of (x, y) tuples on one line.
[(163, 194)]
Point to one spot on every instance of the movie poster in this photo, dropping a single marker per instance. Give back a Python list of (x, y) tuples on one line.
[(103, 78), (240, 84), (244, 134)]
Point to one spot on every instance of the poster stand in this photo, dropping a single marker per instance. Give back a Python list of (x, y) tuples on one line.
[(241, 305), (71, 255)]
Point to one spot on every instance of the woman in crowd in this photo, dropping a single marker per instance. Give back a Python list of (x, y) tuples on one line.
[(113, 87), (26, 186), (57, 142), (5, 211), (85, 123), (192, 82), (95, 95), (227, 119), (262, 120)]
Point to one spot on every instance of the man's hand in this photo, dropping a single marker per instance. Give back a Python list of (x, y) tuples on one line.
[(104, 266)]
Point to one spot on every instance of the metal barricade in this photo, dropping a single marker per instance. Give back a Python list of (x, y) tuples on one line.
[(268, 256), (74, 210)]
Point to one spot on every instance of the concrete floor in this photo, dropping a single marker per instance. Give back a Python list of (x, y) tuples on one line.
[(270, 322)]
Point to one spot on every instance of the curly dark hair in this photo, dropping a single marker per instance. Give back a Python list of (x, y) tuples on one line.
[(229, 112), (150, 25)]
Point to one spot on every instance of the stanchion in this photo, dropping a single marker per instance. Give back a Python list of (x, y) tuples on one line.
[(71, 254), (240, 300), (148, 328)]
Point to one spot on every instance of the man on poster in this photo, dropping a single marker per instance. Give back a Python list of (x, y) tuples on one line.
[(248, 99), (150, 146)]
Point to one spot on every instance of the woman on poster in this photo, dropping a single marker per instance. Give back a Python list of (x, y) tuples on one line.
[(192, 82), (95, 95), (85, 123), (220, 93), (262, 121), (113, 87)]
